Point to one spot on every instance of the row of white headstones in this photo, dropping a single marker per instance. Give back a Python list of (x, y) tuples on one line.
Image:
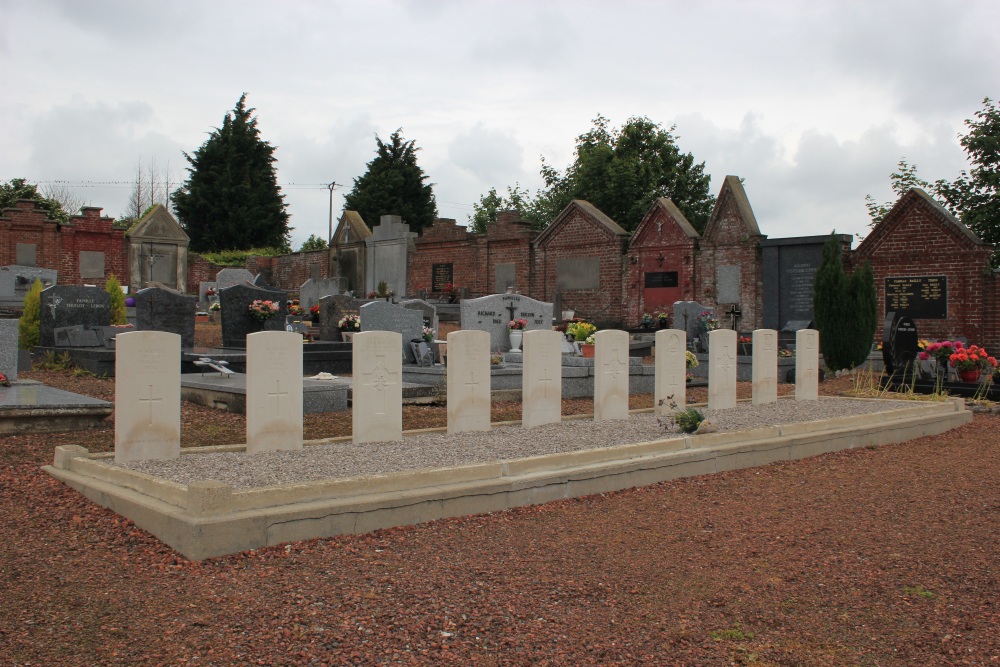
[(147, 383)]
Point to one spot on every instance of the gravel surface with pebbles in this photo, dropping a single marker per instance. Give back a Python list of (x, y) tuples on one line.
[(438, 450)]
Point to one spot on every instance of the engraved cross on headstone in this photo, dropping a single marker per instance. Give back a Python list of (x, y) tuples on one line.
[(545, 379), (150, 400), (277, 393), (381, 378), (472, 381), (725, 364), (615, 368), (735, 314)]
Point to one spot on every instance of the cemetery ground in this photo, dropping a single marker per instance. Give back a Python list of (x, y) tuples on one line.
[(877, 556)]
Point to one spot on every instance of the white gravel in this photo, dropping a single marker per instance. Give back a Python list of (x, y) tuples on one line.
[(437, 450)]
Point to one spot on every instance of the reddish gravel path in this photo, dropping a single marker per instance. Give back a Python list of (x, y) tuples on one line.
[(882, 556)]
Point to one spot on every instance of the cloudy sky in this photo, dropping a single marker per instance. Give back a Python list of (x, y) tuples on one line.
[(812, 103)]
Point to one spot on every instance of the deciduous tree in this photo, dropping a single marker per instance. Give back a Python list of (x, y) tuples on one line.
[(19, 188)]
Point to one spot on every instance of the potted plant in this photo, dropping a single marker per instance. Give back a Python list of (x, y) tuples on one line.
[(515, 329), (663, 320), (314, 313), (940, 353), (383, 291), (971, 362), (647, 321), (348, 326), (428, 335), (578, 330), (744, 345), (690, 361), (587, 346)]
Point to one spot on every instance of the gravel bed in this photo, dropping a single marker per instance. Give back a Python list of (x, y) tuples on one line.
[(437, 450)]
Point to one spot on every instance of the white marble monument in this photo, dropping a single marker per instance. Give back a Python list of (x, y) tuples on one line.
[(468, 381), (611, 365), (806, 365), (274, 391), (147, 396), (670, 379), (721, 369), (765, 366), (377, 387), (541, 388)]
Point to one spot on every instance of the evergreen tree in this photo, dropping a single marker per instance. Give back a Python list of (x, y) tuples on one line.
[(394, 185), (114, 290), (231, 199), (844, 308), (864, 314), (29, 327)]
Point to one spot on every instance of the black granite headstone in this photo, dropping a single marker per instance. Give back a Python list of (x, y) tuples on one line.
[(158, 309), (237, 321), (69, 305), (788, 270), (899, 343)]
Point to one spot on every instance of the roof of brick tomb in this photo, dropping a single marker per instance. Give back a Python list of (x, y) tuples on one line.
[(351, 228), (655, 227), (589, 211), (158, 223), (897, 217), (731, 194)]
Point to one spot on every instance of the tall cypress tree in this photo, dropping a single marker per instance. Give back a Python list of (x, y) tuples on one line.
[(394, 185), (231, 199), (864, 313), (831, 306)]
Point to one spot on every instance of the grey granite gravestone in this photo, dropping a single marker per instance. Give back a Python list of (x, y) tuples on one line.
[(686, 317), (428, 310), (788, 271), (313, 289), (331, 309), (385, 316), (237, 322), (203, 288), (229, 277), (159, 309), (728, 280), (492, 313), (387, 251), (8, 348), (260, 281), (16, 280), (68, 305)]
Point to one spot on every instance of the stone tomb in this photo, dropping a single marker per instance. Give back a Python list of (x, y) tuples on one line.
[(16, 280), (492, 314), (71, 305), (331, 309), (160, 309), (670, 382), (312, 290), (611, 375), (147, 396), (237, 322), (377, 387), (229, 277), (385, 316), (806, 365), (722, 369), (468, 381), (686, 317), (541, 381), (428, 310), (765, 366), (274, 391)]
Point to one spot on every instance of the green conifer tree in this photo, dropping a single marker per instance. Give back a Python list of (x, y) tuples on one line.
[(114, 290), (832, 306), (29, 327), (864, 313)]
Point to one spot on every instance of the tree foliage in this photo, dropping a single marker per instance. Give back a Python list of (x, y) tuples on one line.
[(975, 194), (622, 171), (904, 179), (484, 212), (231, 199), (19, 188), (29, 327), (844, 308), (313, 243), (114, 289), (394, 185)]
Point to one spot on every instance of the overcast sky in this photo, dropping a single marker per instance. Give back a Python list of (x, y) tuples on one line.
[(812, 103)]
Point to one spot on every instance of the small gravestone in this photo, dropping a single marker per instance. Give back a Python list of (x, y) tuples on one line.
[(260, 281), (16, 280), (161, 309), (384, 316), (203, 288), (765, 366), (377, 387), (238, 322), (686, 317), (274, 391), (671, 371), (541, 380), (8, 348), (722, 369), (313, 289), (429, 312), (807, 364), (147, 396), (899, 343), (229, 277), (611, 371), (70, 305), (468, 381), (332, 309), (492, 314)]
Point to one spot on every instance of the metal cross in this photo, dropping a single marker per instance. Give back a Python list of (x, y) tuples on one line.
[(511, 308), (734, 315), (277, 393), (150, 400)]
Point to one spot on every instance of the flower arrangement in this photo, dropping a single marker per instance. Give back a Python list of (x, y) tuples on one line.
[(349, 323), (211, 291), (215, 306), (4, 382), (580, 329), (690, 361), (662, 318), (708, 321), (589, 340), (123, 326), (428, 334), (295, 309), (496, 359), (972, 358), (372, 294), (314, 310), (263, 310), (647, 320), (940, 352), (518, 324), (744, 339), (785, 352), (383, 290)]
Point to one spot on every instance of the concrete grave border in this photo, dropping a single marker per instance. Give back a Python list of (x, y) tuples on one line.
[(207, 519)]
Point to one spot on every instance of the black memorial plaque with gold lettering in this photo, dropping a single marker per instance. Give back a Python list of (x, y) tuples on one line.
[(920, 297), (441, 275)]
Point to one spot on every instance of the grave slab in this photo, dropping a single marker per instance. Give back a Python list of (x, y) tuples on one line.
[(722, 369), (147, 396), (159, 309), (611, 375), (238, 323), (385, 316), (274, 391), (806, 365), (8, 348), (492, 314), (469, 381), (765, 366), (541, 390), (671, 371), (69, 305), (377, 384)]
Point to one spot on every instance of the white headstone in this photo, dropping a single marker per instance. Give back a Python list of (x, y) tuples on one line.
[(377, 387), (671, 371), (721, 369), (611, 364), (468, 381), (765, 366), (541, 388), (147, 396), (274, 391), (806, 365)]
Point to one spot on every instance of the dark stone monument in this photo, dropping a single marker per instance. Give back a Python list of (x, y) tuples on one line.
[(788, 269), (69, 305), (899, 346), (237, 321), (921, 297), (160, 309), (333, 307)]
